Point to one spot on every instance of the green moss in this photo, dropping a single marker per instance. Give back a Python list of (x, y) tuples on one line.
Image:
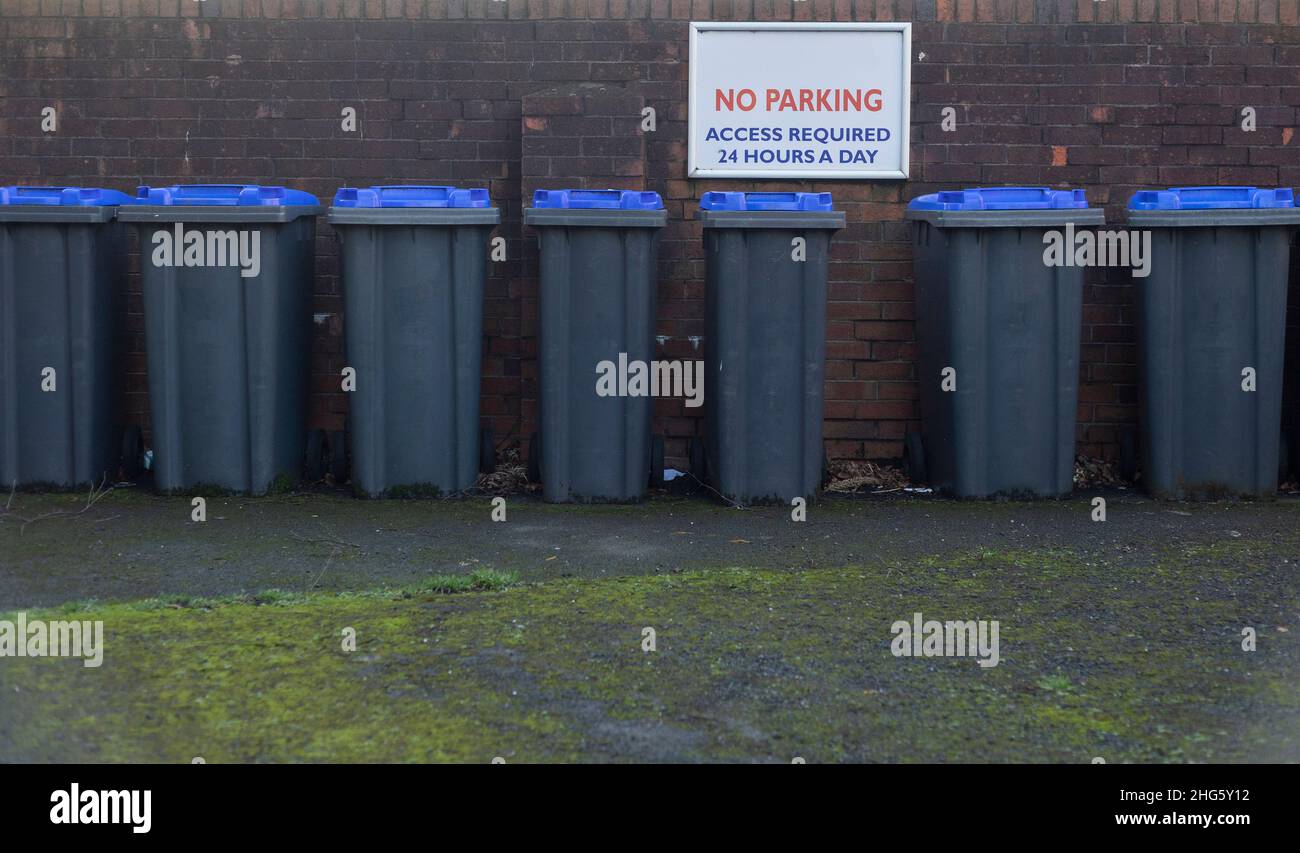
[(282, 484), (200, 490), (478, 580), (750, 664), (414, 491)]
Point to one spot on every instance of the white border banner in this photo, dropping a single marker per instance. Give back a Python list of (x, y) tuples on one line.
[(800, 100)]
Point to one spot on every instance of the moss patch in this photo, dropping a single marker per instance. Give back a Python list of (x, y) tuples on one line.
[(751, 665)]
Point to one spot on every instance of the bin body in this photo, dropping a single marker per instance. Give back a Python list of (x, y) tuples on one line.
[(414, 261), (228, 353), (61, 309), (1213, 305), (998, 333), (598, 251), (765, 342)]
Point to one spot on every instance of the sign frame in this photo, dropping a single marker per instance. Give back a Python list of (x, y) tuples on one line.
[(695, 171)]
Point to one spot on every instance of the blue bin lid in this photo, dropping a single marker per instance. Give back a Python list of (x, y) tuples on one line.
[(1211, 198), (223, 195), (765, 201), (1002, 198), (411, 196), (597, 200), (63, 196)]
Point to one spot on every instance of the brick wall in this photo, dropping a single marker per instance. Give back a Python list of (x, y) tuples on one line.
[(1109, 96)]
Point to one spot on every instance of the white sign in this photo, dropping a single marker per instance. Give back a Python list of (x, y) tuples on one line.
[(786, 100)]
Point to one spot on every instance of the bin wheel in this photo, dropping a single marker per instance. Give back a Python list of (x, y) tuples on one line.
[(339, 456), (656, 461), (535, 458), (826, 468), (914, 459), (699, 462), (487, 451), (1128, 455), (315, 464), (132, 451)]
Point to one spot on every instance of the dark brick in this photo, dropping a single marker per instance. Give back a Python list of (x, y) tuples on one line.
[(473, 95)]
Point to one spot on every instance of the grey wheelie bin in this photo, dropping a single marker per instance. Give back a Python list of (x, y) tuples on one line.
[(60, 312), (1211, 326), (597, 304), (766, 263), (414, 261), (999, 307), (227, 278)]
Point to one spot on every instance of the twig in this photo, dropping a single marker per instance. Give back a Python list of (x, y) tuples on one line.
[(324, 568), (95, 495), (324, 540), (715, 491)]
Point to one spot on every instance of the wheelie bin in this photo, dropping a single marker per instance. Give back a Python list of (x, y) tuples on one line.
[(227, 279), (766, 265), (414, 262), (1211, 329), (598, 253), (61, 252), (998, 325)]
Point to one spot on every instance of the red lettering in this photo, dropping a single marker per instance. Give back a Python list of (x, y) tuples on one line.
[(802, 100)]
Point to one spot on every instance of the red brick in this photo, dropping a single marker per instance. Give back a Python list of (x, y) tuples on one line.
[(1108, 107)]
